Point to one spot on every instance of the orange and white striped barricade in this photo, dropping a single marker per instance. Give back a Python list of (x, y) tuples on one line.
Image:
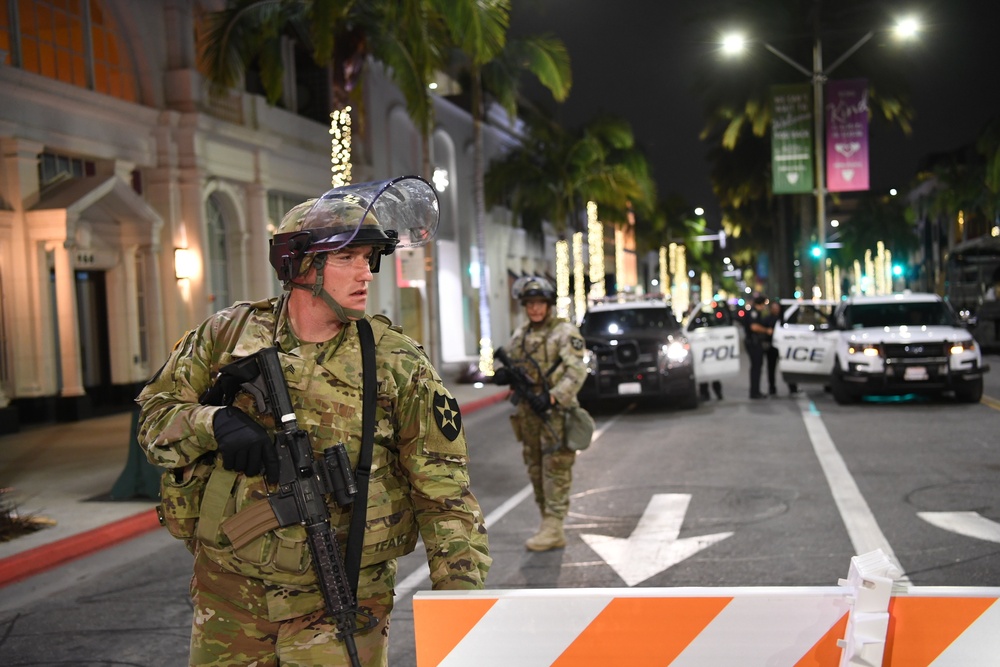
[(702, 627)]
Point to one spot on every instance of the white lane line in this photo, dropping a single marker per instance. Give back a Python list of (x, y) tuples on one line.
[(862, 528), (422, 573)]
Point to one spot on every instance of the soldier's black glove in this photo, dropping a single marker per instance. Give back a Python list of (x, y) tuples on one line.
[(540, 403), (501, 376), (244, 444)]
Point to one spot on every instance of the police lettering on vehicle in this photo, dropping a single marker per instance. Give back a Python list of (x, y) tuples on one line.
[(804, 354), (719, 353)]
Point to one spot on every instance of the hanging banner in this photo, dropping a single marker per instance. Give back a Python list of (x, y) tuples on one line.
[(846, 135), (791, 139)]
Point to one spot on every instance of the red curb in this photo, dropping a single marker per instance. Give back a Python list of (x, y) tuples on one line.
[(472, 406), (35, 561), (47, 556)]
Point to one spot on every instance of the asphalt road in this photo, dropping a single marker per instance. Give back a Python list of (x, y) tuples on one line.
[(777, 492)]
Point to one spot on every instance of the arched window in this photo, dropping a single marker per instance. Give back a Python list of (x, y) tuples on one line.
[(217, 253), (74, 41)]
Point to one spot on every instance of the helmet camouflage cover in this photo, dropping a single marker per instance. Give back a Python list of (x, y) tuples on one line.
[(533, 287), (402, 212)]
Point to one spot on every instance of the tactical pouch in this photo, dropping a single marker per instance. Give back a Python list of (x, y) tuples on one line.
[(181, 492), (579, 429)]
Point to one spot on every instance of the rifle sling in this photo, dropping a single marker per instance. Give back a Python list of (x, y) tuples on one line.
[(356, 535)]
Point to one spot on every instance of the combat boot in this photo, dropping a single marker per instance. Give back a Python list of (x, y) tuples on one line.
[(549, 536)]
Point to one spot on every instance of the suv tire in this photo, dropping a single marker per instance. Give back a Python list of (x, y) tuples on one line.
[(842, 392), (970, 391)]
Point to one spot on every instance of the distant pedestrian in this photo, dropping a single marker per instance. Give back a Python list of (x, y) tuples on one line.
[(773, 321)]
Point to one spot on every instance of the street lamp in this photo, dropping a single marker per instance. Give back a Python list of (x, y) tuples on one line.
[(735, 43)]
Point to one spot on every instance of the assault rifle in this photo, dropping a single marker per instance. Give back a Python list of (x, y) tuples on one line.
[(303, 484), (540, 403)]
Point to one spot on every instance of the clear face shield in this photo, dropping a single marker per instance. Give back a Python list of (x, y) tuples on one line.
[(402, 212)]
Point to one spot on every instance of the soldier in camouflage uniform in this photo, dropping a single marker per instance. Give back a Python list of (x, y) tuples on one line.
[(256, 599), (550, 350)]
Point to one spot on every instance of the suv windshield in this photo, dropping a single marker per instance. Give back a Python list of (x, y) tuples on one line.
[(618, 322), (930, 313)]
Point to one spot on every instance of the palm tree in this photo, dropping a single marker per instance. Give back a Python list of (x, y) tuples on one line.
[(408, 36), (554, 173), (546, 59), (497, 65)]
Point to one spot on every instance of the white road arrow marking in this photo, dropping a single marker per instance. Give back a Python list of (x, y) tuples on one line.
[(970, 524), (653, 546)]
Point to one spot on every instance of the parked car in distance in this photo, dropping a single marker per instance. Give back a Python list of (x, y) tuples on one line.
[(882, 345), (636, 349)]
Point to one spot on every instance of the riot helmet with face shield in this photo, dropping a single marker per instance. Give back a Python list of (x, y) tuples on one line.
[(398, 213)]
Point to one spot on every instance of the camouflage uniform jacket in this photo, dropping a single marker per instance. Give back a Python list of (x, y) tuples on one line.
[(539, 348), (419, 477)]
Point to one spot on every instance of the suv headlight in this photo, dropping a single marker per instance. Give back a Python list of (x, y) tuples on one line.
[(867, 349), (672, 353), (960, 346)]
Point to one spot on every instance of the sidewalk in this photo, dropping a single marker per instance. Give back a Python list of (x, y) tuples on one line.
[(65, 472)]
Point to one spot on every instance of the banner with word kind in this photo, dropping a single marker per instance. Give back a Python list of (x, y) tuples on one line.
[(846, 135)]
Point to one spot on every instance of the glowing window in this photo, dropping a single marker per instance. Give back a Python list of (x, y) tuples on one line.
[(74, 41)]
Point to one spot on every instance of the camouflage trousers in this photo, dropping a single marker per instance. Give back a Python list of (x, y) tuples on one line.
[(231, 627), (549, 462)]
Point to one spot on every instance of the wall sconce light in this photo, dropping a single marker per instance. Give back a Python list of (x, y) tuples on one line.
[(185, 263)]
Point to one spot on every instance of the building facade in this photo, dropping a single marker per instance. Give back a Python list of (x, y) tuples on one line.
[(133, 204)]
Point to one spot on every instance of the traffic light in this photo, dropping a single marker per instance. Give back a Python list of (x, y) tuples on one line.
[(897, 270), (816, 251)]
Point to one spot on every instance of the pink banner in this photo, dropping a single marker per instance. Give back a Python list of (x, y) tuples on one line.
[(846, 106)]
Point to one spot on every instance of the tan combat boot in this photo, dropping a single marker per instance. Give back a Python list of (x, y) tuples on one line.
[(549, 536)]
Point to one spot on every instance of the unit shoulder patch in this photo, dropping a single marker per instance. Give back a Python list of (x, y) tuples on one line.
[(447, 416)]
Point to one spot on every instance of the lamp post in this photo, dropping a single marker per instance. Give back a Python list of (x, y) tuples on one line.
[(905, 29)]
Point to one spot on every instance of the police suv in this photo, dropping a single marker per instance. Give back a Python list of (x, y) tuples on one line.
[(636, 349), (894, 344)]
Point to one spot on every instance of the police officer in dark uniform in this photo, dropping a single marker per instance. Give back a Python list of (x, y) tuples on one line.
[(773, 321), (758, 340)]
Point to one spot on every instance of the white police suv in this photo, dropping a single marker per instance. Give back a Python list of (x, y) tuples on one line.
[(893, 344), (636, 349)]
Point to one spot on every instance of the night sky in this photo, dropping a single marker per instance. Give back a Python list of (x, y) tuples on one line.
[(639, 59)]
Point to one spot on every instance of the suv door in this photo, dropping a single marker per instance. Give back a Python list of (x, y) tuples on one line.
[(715, 341), (805, 341)]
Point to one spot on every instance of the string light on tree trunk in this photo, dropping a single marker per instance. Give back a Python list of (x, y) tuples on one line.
[(579, 291), (340, 147), (562, 279), (595, 244)]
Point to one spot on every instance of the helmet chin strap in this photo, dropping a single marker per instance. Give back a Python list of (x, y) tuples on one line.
[(345, 315)]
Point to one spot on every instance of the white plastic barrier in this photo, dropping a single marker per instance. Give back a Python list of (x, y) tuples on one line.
[(860, 622)]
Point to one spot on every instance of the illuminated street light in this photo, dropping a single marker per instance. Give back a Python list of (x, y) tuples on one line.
[(699, 211), (735, 43)]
